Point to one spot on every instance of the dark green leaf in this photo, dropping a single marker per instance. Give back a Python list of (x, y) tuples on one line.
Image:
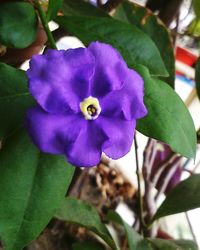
[(134, 45), (145, 20), (81, 8), (185, 196), (18, 22), (132, 236), (168, 119), (53, 8), (32, 187), (14, 99), (87, 245), (160, 244), (197, 77), (81, 213)]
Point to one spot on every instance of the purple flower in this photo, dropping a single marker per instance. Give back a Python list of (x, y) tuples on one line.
[(88, 103)]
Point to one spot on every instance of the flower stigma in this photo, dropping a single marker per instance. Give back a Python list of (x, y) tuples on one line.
[(90, 108)]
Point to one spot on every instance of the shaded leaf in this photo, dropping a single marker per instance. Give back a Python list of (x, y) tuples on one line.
[(81, 213), (53, 8), (133, 44), (145, 245), (32, 187), (185, 196), (132, 236), (18, 22), (168, 119), (197, 77), (87, 245), (14, 99), (145, 20), (81, 8), (160, 244)]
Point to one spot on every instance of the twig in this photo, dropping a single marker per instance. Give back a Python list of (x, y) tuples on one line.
[(140, 202), (191, 228), (42, 16)]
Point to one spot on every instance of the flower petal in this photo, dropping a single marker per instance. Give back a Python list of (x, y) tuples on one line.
[(128, 101), (120, 133), (87, 149), (52, 133), (110, 69), (59, 80)]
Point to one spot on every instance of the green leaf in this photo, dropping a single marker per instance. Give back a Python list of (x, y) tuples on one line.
[(133, 44), (53, 8), (145, 20), (197, 77), (32, 187), (18, 22), (145, 245), (81, 8), (81, 213), (196, 7), (160, 244), (87, 245), (14, 99), (168, 119), (132, 236), (185, 196)]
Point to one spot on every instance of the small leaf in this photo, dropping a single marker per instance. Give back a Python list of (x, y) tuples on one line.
[(81, 8), (14, 99), (132, 236), (18, 22), (145, 20), (53, 8), (87, 245), (160, 244), (81, 213), (32, 187), (185, 196), (133, 44), (168, 119), (197, 77)]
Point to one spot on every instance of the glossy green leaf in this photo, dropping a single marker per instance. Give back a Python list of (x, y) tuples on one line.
[(53, 8), (18, 24), (145, 20), (168, 119), (159, 244), (197, 77), (32, 187), (185, 196), (81, 213), (196, 7), (132, 236), (133, 44), (81, 8), (14, 99), (87, 245)]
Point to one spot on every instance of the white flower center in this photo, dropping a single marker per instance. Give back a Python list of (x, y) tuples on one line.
[(90, 108)]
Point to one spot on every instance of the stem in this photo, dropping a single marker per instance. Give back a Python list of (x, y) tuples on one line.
[(191, 228), (142, 223), (42, 16)]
